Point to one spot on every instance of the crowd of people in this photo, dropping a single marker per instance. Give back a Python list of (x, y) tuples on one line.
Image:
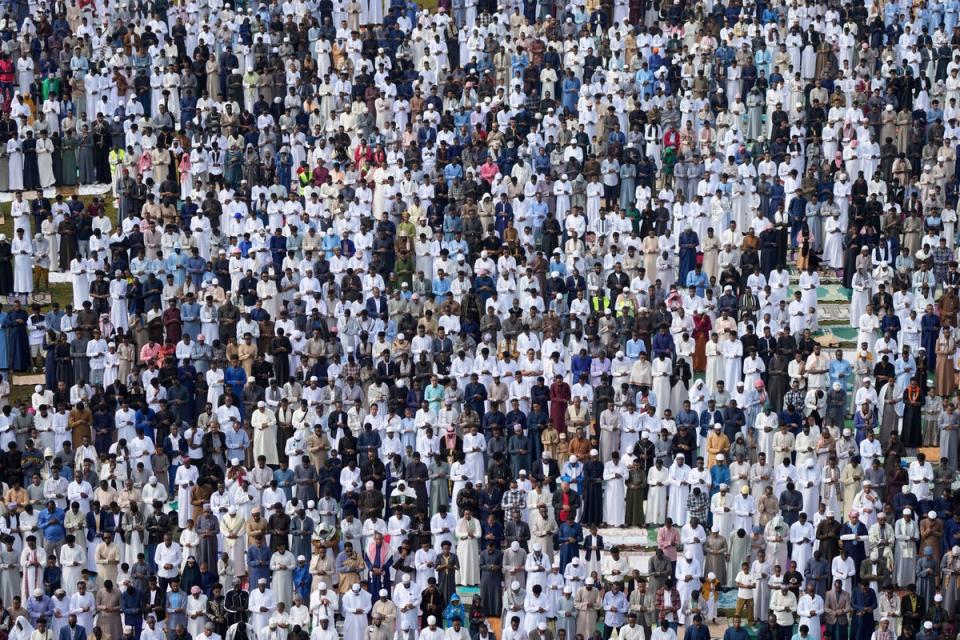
[(388, 315)]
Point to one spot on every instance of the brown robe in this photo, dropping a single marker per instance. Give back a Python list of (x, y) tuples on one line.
[(931, 533), (944, 383), (108, 610)]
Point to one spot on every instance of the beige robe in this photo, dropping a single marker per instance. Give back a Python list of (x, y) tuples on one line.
[(587, 604), (107, 558)]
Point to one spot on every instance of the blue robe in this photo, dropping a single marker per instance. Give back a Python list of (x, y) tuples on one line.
[(258, 561), (719, 474), (235, 378), (569, 550), (688, 253), (176, 265), (855, 548), (862, 625), (929, 331), (130, 607), (302, 581), (4, 354), (190, 315), (19, 344), (381, 559), (50, 363)]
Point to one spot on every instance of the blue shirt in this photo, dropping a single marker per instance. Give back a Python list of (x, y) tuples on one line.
[(51, 523), (839, 370), (618, 601), (635, 347)]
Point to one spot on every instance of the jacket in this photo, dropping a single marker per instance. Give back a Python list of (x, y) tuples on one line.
[(833, 604)]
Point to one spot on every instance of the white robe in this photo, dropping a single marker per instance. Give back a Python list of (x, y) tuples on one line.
[(732, 351), (468, 551), (661, 370), (45, 162), (73, 561), (656, 508), (614, 493), (354, 623), (722, 518), (802, 551), (833, 245), (22, 250), (281, 569), (196, 605), (118, 305), (261, 600), (185, 478), (798, 316), (32, 573), (686, 568), (14, 165), (83, 606), (679, 490), (810, 608), (264, 435), (81, 282)]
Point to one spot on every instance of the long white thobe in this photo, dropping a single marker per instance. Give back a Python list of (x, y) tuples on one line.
[(407, 599), (536, 565), (185, 478), (196, 608), (72, 560), (722, 508), (808, 482), (264, 424), (22, 250), (356, 606), (802, 551), (679, 490), (261, 600), (614, 493), (656, 509), (281, 569), (83, 606), (32, 562), (687, 569), (810, 608)]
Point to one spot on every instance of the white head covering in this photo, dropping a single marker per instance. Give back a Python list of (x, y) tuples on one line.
[(22, 629)]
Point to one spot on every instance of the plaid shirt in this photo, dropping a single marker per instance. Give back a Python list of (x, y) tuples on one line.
[(513, 500), (795, 398), (697, 505), (941, 261), (674, 602), (348, 370)]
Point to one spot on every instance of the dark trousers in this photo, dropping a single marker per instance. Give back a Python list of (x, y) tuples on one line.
[(840, 631), (784, 632)]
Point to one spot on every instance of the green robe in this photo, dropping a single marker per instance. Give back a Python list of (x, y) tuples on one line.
[(636, 495), (68, 161), (439, 473)]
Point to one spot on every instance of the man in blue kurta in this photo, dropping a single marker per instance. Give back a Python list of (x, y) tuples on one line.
[(235, 377), (258, 560), (688, 253)]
